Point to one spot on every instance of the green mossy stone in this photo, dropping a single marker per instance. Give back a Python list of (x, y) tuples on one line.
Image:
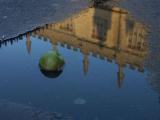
[(51, 61)]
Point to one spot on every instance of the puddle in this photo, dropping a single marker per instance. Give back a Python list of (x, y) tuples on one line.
[(104, 48)]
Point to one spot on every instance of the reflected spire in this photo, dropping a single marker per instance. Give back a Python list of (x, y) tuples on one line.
[(54, 46), (108, 31), (28, 43), (120, 75), (85, 64)]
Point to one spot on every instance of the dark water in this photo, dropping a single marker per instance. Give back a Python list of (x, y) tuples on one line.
[(104, 76)]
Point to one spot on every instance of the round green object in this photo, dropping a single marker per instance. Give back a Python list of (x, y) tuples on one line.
[(51, 61)]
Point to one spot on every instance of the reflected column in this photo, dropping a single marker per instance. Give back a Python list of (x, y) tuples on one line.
[(120, 75), (85, 63), (28, 43)]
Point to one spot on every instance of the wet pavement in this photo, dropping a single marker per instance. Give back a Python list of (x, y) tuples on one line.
[(15, 111), (111, 70), (19, 16)]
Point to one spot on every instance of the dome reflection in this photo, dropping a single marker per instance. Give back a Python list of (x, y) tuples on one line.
[(51, 74)]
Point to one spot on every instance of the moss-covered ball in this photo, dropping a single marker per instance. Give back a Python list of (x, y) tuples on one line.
[(51, 61)]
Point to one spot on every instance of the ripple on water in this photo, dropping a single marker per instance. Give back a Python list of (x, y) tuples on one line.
[(79, 101)]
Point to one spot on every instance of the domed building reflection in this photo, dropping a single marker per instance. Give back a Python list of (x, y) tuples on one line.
[(110, 33)]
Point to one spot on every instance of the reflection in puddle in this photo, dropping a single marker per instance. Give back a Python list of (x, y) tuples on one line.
[(108, 33), (94, 42), (80, 101), (28, 43), (51, 74)]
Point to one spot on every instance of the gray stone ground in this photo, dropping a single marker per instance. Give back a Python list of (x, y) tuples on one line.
[(17, 16)]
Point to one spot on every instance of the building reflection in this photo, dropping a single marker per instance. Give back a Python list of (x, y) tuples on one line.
[(110, 33), (16, 39), (107, 33), (6, 42)]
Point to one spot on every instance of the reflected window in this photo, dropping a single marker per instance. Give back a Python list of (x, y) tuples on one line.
[(100, 28), (67, 26)]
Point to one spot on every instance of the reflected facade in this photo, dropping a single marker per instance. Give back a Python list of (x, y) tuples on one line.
[(107, 33)]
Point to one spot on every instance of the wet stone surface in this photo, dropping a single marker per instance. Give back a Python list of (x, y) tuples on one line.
[(14, 111), (19, 16)]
